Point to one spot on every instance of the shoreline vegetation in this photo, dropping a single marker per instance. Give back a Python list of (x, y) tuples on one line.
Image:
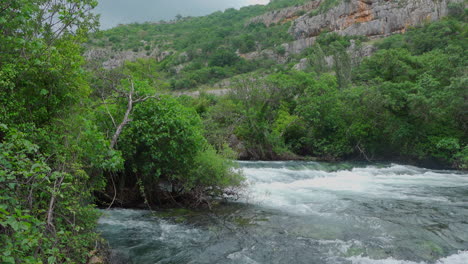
[(74, 135)]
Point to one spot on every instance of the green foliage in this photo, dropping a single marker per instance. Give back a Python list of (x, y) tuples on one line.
[(40, 63), (162, 139), (213, 40), (437, 35), (277, 4), (395, 65), (164, 142), (407, 101), (223, 57), (215, 171), (29, 187), (46, 212), (291, 129)]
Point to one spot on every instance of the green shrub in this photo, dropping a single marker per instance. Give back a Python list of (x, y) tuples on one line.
[(165, 142), (30, 230)]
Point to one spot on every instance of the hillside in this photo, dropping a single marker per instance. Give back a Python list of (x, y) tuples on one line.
[(407, 53), (204, 50)]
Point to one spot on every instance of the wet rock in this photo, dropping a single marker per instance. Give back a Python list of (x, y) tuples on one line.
[(96, 260)]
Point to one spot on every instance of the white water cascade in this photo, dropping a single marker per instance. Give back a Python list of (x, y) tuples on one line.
[(310, 212)]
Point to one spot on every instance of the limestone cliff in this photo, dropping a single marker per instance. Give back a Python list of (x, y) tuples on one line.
[(285, 14), (371, 17)]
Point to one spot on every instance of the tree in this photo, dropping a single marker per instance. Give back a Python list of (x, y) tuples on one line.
[(223, 57), (39, 57), (132, 100), (164, 144), (46, 178)]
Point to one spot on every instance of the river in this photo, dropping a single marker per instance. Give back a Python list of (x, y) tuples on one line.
[(310, 212)]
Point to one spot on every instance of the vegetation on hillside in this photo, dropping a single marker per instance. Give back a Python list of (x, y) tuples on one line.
[(207, 47), (406, 102)]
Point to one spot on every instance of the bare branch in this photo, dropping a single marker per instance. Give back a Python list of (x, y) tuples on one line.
[(146, 98), (115, 191), (50, 211), (108, 112), (131, 102)]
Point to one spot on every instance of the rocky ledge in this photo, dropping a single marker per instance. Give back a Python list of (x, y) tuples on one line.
[(371, 17)]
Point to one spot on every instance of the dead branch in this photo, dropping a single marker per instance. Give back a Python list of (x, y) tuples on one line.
[(50, 211), (115, 192), (362, 151), (130, 104)]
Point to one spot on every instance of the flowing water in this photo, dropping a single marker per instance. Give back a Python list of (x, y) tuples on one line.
[(309, 212)]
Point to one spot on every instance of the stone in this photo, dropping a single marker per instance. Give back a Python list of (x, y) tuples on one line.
[(302, 65), (283, 15), (371, 17)]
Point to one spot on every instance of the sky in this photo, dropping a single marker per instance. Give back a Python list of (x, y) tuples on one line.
[(114, 12)]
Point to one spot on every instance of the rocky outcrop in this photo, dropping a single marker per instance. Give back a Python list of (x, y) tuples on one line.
[(302, 65), (371, 17), (285, 14), (356, 53), (298, 46), (291, 48), (113, 59)]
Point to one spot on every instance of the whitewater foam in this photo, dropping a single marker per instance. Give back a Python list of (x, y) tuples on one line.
[(299, 189), (460, 258)]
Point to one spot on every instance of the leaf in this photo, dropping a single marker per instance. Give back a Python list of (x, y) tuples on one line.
[(44, 92), (6, 260), (51, 260)]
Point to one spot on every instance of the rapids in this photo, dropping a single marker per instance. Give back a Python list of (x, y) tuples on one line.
[(310, 212)]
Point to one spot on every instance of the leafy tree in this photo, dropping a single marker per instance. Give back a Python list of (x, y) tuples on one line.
[(223, 57), (45, 215), (165, 142)]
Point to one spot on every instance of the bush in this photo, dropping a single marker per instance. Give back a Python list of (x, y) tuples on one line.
[(31, 231), (223, 58), (165, 143)]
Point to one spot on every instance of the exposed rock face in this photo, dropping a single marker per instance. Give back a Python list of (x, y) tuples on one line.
[(112, 59), (296, 47), (302, 65), (284, 15), (356, 53), (299, 45), (371, 17), (291, 48)]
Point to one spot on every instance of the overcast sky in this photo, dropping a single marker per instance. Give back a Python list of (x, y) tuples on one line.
[(114, 12)]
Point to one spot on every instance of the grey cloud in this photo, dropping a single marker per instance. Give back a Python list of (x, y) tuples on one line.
[(115, 12)]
